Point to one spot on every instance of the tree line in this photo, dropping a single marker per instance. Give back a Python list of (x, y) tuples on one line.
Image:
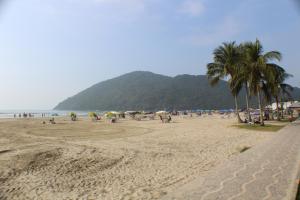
[(246, 65)]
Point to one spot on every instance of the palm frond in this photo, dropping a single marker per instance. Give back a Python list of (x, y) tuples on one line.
[(272, 55), (266, 91)]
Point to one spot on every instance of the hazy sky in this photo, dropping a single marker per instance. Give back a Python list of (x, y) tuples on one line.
[(52, 49)]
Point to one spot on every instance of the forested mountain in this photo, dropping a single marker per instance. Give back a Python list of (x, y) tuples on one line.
[(148, 91)]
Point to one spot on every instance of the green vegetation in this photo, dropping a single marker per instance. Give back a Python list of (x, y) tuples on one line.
[(247, 65), (73, 116), (257, 127), (225, 65), (149, 91)]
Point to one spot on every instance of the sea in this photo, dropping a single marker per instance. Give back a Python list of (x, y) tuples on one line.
[(7, 114)]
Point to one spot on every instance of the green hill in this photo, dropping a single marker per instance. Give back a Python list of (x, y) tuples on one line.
[(148, 91)]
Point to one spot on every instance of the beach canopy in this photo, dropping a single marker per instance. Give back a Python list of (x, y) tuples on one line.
[(256, 112), (295, 105), (268, 107), (162, 112), (115, 112), (132, 112), (111, 114)]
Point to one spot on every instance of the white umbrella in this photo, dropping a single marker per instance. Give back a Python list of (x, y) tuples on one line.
[(115, 113), (162, 112)]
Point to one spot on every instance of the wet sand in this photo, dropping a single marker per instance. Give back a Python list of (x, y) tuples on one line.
[(126, 160)]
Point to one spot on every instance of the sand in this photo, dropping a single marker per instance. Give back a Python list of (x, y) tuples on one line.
[(126, 160)]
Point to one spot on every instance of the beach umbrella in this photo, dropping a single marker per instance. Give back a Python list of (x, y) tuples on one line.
[(132, 112), (295, 105), (268, 107), (162, 112), (115, 113), (110, 115)]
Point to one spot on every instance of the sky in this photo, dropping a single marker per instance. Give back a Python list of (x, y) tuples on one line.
[(53, 49)]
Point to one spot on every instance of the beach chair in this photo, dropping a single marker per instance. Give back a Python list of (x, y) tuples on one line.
[(151, 117), (169, 119), (166, 119), (138, 117), (52, 121)]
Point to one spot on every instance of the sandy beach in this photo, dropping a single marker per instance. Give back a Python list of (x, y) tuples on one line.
[(126, 160)]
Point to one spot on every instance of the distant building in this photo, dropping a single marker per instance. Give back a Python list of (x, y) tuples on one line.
[(285, 105), (295, 107)]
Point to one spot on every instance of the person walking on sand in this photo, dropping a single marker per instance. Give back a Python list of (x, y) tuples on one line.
[(161, 118), (169, 118)]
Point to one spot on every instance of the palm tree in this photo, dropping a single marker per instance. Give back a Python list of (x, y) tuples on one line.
[(243, 76), (247, 100), (260, 70), (226, 62), (285, 90), (278, 87)]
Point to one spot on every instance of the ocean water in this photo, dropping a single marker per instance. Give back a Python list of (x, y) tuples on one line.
[(6, 114)]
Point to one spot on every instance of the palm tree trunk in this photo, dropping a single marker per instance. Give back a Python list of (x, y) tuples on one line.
[(281, 106), (260, 109), (247, 102), (277, 108), (237, 110)]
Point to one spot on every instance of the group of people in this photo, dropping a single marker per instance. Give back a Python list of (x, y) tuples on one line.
[(27, 115), (24, 115)]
